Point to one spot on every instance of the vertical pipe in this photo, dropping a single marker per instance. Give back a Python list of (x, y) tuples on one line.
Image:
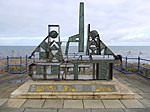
[(7, 64), (81, 28), (126, 65), (20, 64), (139, 65), (88, 34), (26, 63)]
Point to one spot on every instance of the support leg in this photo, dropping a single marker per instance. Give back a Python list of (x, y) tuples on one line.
[(75, 70)]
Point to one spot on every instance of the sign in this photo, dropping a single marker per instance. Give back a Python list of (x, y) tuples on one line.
[(72, 88)]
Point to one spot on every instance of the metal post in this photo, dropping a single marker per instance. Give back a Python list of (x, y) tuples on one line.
[(139, 65), (88, 34), (97, 71), (26, 63), (121, 67), (93, 70), (75, 70), (110, 71), (20, 64), (126, 65), (81, 28), (7, 64), (44, 75)]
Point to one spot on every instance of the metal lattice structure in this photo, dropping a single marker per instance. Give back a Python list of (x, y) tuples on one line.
[(51, 62)]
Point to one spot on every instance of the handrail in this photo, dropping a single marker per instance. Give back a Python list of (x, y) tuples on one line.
[(21, 63), (124, 67)]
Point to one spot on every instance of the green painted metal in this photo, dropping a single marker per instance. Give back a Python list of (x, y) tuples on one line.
[(53, 34), (58, 56), (54, 47), (37, 49), (39, 70), (75, 70), (103, 71), (55, 69), (74, 38), (81, 28), (95, 45), (107, 51), (43, 55), (50, 57), (78, 37), (67, 48), (50, 53), (44, 45)]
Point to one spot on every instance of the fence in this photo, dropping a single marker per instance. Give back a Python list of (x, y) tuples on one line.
[(134, 65), (19, 65), (14, 65)]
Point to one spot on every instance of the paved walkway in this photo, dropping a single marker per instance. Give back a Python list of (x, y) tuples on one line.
[(8, 85), (137, 84)]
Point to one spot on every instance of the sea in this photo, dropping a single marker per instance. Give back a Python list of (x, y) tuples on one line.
[(129, 51)]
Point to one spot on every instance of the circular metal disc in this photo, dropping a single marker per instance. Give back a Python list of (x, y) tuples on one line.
[(53, 34)]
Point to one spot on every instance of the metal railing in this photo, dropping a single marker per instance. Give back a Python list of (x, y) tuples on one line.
[(14, 65), (134, 65), (19, 65)]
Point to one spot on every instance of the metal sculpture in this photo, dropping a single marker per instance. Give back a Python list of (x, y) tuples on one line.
[(51, 61)]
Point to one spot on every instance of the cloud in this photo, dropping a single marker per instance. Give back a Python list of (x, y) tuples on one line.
[(115, 20)]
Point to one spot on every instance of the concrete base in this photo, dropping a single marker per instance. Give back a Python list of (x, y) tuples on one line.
[(119, 91)]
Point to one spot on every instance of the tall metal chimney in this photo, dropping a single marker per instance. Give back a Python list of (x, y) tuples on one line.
[(81, 28)]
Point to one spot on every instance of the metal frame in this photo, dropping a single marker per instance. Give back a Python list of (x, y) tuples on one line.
[(102, 66)]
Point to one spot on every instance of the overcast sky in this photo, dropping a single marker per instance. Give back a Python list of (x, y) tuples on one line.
[(119, 22)]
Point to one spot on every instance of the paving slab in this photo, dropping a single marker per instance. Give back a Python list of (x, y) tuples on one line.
[(14, 103), (53, 104), (93, 104), (136, 90), (145, 101), (137, 110), (33, 103), (11, 110), (114, 110), (145, 95), (137, 96), (99, 110), (112, 104), (40, 110), (73, 104), (146, 89), (74, 110), (2, 101), (147, 106), (132, 104)]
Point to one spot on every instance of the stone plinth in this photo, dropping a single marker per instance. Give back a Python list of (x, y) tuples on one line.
[(73, 90)]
